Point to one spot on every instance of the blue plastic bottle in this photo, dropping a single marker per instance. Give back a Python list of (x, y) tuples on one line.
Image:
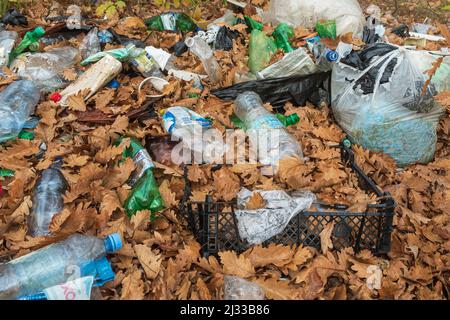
[(54, 264)]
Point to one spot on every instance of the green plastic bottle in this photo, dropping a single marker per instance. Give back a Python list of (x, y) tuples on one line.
[(145, 193), (26, 135), (171, 22), (282, 34), (6, 173), (28, 40)]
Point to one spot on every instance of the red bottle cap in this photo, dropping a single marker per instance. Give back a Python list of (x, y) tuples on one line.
[(55, 97)]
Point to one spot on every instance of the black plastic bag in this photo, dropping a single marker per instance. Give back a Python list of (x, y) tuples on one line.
[(125, 40), (401, 31), (224, 39), (15, 18), (278, 91), (179, 48)]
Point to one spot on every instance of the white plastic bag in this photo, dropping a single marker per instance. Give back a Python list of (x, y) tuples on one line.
[(347, 13), (379, 103), (257, 226)]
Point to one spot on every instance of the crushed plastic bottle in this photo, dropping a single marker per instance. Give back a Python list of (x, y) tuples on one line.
[(145, 193), (202, 50), (7, 41), (171, 21), (54, 264), (74, 20), (47, 199), (95, 78), (45, 68), (325, 57), (29, 38), (236, 288), (90, 44), (17, 104), (143, 62), (261, 123)]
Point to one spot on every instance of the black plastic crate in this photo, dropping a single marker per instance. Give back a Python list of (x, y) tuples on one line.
[(214, 224)]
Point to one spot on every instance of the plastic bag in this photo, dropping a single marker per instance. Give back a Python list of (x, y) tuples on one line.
[(347, 13), (236, 288), (90, 44), (224, 39), (257, 226), (278, 91), (377, 99), (260, 50)]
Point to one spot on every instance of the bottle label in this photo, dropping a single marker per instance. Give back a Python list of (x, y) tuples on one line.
[(143, 162), (181, 117), (79, 289), (144, 63), (266, 122), (169, 21)]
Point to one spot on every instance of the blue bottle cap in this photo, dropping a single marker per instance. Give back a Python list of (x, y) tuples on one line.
[(332, 55), (113, 242), (113, 84), (104, 273)]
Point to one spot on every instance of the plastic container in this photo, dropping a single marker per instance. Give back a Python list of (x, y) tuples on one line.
[(95, 78), (29, 38), (47, 200), (7, 41), (202, 50), (214, 224), (45, 68), (17, 104), (54, 264), (236, 288), (171, 21), (278, 143)]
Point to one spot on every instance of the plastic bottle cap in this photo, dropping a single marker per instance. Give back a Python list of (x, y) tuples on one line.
[(39, 31), (104, 272), (332, 55), (55, 97), (189, 42), (113, 242), (113, 84)]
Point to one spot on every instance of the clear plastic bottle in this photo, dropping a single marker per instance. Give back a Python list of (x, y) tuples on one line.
[(202, 50), (54, 264), (44, 68), (143, 62), (259, 121), (90, 44), (47, 199), (7, 41), (325, 57), (17, 104)]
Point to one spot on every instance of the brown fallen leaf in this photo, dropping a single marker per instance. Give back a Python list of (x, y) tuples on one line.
[(256, 201), (133, 286), (325, 238), (237, 266), (150, 262), (76, 101)]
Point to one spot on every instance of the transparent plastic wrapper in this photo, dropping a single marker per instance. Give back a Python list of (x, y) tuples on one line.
[(296, 63), (378, 99), (274, 141), (54, 264), (236, 288), (257, 226), (7, 41), (45, 68), (17, 103), (90, 44), (95, 78), (202, 50), (47, 200), (347, 13)]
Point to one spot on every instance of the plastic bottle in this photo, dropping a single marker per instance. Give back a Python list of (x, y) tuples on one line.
[(45, 68), (143, 62), (285, 120), (236, 288), (202, 50), (171, 21), (29, 38), (99, 272), (7, 41), (145, 193), (95, 78), (249, 108), (90, 44), (17, 104), (325, 57), (47, 200), (54, 264)]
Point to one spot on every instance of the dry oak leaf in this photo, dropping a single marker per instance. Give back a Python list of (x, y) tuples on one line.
[(58, 219), (133, 286), (76, 101), (325, 238), (75, 160), (226, 183), (293, 171), (256, 201), (167, 194), (277, 290), (149, 261), (238, 266), (275, 254), (70, 74)]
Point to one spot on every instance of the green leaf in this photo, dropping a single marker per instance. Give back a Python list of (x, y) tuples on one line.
[(101, 9), (110, 11), (446, 8), (121, 4), (160, 3)]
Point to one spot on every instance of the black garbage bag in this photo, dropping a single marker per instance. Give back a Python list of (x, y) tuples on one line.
[(224, 39), (15, 18), (179, 48), (401, 31), (278, 91)]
